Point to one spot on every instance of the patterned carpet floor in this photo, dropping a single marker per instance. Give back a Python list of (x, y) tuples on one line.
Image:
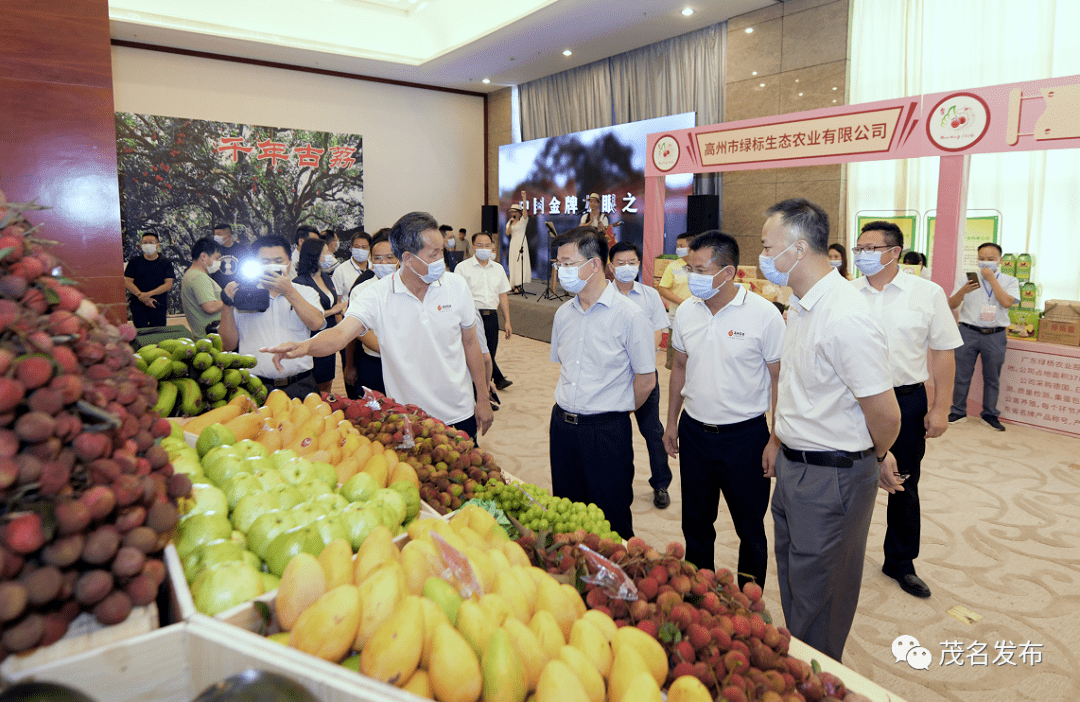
[(1001, 539)]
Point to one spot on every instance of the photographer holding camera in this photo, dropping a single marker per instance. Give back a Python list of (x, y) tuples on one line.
[(263, 307)]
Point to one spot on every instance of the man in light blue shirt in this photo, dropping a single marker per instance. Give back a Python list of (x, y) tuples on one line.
[(608, 369), (625, 264)]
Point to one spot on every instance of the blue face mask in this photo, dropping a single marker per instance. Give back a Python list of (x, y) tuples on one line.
[(360, 255), (767, 264), (701, 285), (383, 269), (483, 254), (626, 274), (835, 264), (435, 270), (569, 280), (869, 262)]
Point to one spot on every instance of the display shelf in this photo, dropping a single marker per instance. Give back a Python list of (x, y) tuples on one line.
[(176, 663), (84, 635)]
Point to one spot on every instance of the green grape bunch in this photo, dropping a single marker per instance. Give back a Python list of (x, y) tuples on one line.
[(538, 510)]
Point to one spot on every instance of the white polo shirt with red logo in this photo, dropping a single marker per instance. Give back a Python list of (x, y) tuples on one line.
[(727, 379)]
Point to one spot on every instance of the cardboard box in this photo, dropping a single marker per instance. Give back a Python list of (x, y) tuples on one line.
[(1060, 323), (660, 265), (1024, 324)]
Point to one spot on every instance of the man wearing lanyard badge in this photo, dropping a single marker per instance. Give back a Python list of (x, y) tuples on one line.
[(984, 314)]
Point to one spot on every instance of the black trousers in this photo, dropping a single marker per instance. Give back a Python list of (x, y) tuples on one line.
[(143, 316), (298, 388), (368, 373), (593, 461), (468, 426), (652, 430), (726, 460), (491, 334), (904, 517)]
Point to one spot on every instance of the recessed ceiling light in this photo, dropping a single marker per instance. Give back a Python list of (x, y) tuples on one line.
[(754, 73), (567, 52), (486, 81), (749, 30), (762, 85), (800, 94), (796, 80), (834, 87), (834, 100), (688, 11)]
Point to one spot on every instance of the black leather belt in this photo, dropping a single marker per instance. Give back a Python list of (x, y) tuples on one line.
[(983, 330), (572, 418), (832, 459), (282, 382), (718, 428), (488, 313), (902, 390)]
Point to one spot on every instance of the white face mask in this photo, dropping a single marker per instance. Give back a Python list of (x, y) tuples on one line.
[(327, 261), (835, 264), (219, 239), (682, 252), (213, 267), (626, 274), (149, 249), (570, 281), (451, 242), (483, 254), (992, 265), (360, 255), (383, 269)]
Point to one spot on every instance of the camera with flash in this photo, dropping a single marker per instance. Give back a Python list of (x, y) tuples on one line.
[(250, 297)]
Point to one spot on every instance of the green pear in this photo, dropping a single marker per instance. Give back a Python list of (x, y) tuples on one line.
[(225, 585), (199, 530), (394, 501), (282, 549), (283, 456), (209, 555), (187, 463), (267, 528), (358, 524), (247, 448), (219, 453), (411, 494), (326, 473), (203, 499), (239, 485), (252, 506), (270, 581), (359, 488), (298, 471), (259, 463), (269, 478), (331, 527)]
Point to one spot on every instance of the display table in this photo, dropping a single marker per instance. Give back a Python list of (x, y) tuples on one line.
[(1040, 387)]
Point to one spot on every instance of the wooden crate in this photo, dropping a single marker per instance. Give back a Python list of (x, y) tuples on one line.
[(176, 663), (85, 634)]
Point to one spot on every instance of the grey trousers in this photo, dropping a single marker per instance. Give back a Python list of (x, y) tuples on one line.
[(992, 347), (821, 517)]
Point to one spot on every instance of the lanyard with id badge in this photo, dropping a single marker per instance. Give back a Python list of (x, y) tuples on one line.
[(989, 310)]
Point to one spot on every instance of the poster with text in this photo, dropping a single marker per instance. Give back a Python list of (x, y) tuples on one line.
[(179, 177), (558, 174)]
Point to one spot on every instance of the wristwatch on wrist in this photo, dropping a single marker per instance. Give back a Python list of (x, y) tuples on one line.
[(881, 459)]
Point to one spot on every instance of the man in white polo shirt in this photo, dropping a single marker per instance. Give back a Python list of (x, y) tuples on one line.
[(489, 285), (727, 358), (424, 319), (836, 418), (919, 327), (604, 345), (625, 266), (984, 315)]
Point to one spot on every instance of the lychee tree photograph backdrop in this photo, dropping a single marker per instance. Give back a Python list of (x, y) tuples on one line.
[(179, 177)]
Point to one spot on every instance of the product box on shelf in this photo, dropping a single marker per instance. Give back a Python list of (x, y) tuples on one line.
[(1023, 324), (1024, 264), (1008, 264), (1061, 323), (176, 663), (660, 264)]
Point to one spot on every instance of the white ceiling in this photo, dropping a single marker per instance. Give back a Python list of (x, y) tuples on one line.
[(445, 43)]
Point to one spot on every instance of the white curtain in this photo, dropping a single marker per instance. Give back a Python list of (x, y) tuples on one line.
[(571, 101), (911, 47)]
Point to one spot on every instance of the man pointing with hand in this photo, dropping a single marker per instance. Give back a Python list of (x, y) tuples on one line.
[(424, 318)]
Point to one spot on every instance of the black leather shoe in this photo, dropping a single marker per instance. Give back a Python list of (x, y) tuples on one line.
[(993, 421), (911, 584), (661, 498), (954, 417), (494, 407), (503, 384)]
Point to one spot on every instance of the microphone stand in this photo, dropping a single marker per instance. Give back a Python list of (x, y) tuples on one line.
[(549, 285)]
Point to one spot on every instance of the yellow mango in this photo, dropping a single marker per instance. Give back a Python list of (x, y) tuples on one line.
[(295, 402), (687, 688), (480, 520), (403, 472), (270, 438), (312, 400), (339, 416), (328, 439), (559, 684), (299, 415), (586, 673), (482, 566), (575, 600), (323, 409), (378, 548), (496, 536), (498, 560), (336, 562), (393, 651), (454, 669), (350, 443), (433, 617), (585, 637), (287, 430), (471, 538), (380, 595), (503, 671), (334, 456), (604, 623), (277, 401), (497, 607), (245, 426), (391, 459), (419, 684), (515, 554), (328, 627), (265, 412), (346, 469), (421, 527), (528, 649), (449, 535), (376, 467), (644, 689), (302, 583), (507, 586), (528, 587), (475, 625), (419, 561), (646, 646), (548, 633), (376, 448), (551, 597), (626, 666)]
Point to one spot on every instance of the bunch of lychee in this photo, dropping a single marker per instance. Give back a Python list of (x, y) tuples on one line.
[(87, 496)]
